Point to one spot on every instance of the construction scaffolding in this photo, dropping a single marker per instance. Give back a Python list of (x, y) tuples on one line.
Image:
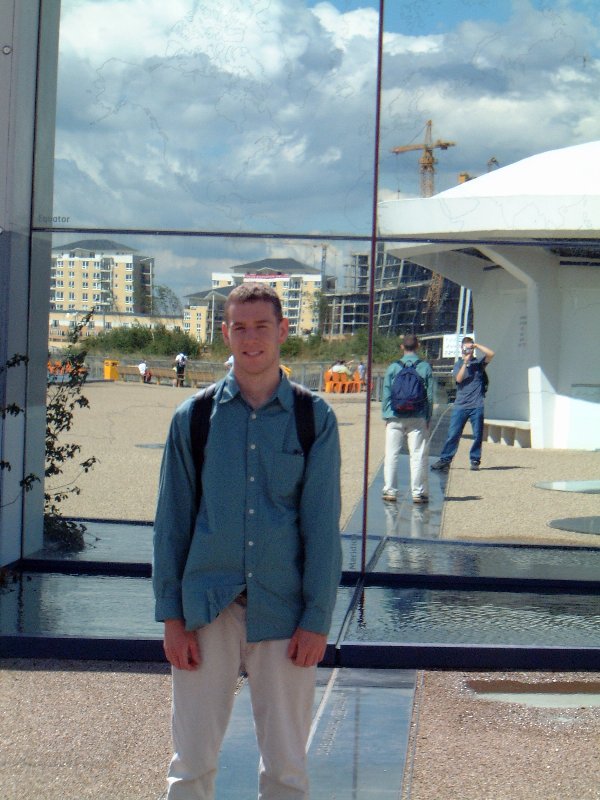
[(408, 299)]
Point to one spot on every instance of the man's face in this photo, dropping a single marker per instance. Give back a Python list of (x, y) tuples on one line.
[(254, 335)]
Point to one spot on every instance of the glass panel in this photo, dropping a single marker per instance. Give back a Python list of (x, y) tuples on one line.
[(49, 604), (462, 87), (495, 618), (125, 425), (215, 116), (190, 128), (93, 606)]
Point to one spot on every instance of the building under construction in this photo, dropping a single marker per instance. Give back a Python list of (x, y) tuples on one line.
[(407, 299)]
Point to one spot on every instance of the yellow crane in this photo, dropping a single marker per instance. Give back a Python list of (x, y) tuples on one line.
[(427, 161), (427, 164)]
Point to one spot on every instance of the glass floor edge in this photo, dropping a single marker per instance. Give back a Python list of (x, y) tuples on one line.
[(72, 616), (130, 545), (350, 655)]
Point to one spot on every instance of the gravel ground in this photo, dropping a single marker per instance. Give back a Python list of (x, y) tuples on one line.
[(100, 731)]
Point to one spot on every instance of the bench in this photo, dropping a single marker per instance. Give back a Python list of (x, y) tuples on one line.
[(507, 431), (193, 377)]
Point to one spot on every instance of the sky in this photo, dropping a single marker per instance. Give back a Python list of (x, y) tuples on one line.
[(258, 116)]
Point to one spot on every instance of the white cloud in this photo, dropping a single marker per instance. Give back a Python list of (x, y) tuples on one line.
[(258, 115)]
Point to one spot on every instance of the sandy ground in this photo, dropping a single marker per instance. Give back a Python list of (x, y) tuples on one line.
[(126, 423), (101, 731)]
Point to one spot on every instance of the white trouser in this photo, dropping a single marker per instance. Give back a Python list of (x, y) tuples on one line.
[(282, 696), (417, 435)]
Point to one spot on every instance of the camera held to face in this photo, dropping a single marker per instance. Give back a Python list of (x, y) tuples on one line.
[(467, 349)]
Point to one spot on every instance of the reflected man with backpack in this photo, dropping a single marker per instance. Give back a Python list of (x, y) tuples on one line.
[(407, 404), (471, 384)]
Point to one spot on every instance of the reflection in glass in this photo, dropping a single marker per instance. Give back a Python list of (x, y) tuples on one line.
[(214, 117), (499, 618), (122, 277), (269, 127)]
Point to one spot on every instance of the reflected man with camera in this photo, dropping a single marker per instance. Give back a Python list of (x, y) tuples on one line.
[(471, 383)]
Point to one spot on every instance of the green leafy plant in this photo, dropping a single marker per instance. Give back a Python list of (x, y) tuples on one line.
[(66, 378), (157, 341)]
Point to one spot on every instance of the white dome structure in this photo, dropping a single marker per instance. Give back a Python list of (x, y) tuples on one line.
[(525, 239)]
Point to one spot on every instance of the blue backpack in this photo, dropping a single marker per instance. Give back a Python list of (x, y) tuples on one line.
[(408, 389)]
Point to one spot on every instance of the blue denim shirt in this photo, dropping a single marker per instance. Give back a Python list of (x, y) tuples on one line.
[(267, 522), (425, 371)]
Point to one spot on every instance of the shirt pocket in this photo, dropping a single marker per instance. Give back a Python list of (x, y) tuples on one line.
[(285, 471)]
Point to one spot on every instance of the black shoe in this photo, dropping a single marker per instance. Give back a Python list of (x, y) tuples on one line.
[(441, 466), (474, 465)]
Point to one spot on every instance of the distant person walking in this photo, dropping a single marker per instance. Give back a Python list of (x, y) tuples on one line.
[(145, 373), (406, 408), (362, 372), (471, 383), (180, 362)]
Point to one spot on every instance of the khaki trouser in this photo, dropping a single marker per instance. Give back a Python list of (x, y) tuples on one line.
[(282, 698), (417, 435)]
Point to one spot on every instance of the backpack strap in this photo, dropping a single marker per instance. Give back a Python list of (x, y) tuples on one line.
[(304, 416), (199, 427), (413, 363)]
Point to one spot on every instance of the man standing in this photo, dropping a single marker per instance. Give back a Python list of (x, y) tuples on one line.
[(247, 583), (469, 373), (180, 362), (410, 421), (145, 373)]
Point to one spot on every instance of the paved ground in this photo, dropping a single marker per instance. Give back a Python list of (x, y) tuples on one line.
[(100, 731)]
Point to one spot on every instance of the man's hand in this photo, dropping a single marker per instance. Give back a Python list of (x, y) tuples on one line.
[(181, 646), (306, 648)]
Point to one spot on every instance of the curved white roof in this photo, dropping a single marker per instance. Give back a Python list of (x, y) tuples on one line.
[(568, 171), (552, 194)]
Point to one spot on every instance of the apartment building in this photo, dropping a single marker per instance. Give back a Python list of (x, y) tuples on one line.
[(203, 315), (100, 274), (297, 285)]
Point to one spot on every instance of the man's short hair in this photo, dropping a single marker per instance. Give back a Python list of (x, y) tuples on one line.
[(467, 340), (254, 293), (410, 342)]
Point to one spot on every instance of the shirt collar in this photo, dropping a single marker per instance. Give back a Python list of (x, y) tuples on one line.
[(284, 392)]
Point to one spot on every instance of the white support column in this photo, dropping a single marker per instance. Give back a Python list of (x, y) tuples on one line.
[(538, 272)]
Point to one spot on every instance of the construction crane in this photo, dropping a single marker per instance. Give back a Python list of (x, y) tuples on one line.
[(427, 161), (427, 164)]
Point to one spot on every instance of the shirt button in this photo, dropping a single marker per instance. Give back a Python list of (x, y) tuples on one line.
[(252, 447), (251, 511), (252, 416), (251, 478), (249, 574), (250, 544)]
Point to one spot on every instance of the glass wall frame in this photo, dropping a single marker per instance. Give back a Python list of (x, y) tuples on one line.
[(262, 186)]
